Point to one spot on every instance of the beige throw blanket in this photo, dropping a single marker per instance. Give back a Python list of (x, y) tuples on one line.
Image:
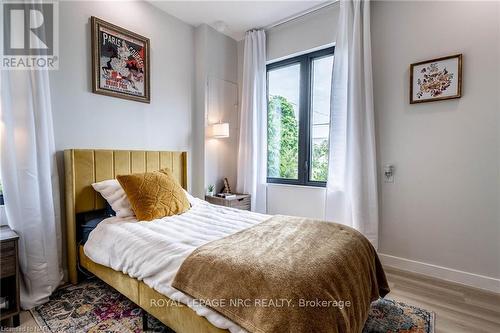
[(287, 274)]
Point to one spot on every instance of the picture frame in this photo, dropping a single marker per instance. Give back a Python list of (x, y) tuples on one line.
[(120, 62), (436, 79)]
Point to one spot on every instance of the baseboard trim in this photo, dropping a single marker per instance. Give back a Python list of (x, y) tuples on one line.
[(443, 273)]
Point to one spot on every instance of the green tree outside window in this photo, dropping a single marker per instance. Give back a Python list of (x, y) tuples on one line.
[(283, 143), (282, 138)]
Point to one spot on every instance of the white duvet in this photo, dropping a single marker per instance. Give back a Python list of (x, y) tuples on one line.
[(154, 251)]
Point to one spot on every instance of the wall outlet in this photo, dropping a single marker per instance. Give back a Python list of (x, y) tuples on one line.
[(389, 179), (389, 173)]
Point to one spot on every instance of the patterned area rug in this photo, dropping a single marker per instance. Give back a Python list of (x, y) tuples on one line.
[(92, 306)]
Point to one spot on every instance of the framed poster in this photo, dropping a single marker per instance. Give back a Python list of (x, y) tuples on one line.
[(120, 62), (436, 79)]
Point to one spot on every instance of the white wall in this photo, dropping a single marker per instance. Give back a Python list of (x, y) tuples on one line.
[(444, 206), (294, 200), (199, 112), (221, 154), (86, 120), (216, 100), (305, 33)]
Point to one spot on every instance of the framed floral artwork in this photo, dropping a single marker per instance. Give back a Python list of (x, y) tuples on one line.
[(120, 62), (436, 79)]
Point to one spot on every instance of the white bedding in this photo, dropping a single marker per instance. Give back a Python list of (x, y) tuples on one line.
[(153, 251)]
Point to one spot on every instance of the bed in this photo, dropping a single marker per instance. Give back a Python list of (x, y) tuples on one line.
[(138, 249), (86, 166)]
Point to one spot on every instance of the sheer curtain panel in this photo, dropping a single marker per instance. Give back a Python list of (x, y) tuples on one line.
[(252, 152), (30, 180), (352, 176)]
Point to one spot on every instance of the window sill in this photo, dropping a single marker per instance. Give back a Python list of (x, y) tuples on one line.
[(322, 188)]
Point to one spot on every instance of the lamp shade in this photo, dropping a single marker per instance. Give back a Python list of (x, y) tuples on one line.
[(220, 130)]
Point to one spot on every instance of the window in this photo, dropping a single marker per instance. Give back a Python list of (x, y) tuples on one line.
[(298, 119)]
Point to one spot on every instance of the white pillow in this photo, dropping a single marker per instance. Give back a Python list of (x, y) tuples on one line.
[(190, 198), (113, 193)]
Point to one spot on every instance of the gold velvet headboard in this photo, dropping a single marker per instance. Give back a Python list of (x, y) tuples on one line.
[(86, 166)]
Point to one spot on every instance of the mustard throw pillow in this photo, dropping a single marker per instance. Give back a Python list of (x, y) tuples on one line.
[(154, 195)]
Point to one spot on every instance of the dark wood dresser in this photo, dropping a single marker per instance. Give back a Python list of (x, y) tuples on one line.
[(9, 276), (242, 201)]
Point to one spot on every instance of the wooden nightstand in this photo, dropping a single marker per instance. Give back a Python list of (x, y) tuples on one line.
[(242, 201), (9, 274)]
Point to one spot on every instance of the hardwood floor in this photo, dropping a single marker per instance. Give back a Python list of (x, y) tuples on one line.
[(458, 308)]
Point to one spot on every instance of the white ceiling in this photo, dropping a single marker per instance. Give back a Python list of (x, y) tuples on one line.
[(239, 16)]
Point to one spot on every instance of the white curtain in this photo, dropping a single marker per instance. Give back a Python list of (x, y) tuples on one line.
[(253, 122), (30, 180), (352, 176)]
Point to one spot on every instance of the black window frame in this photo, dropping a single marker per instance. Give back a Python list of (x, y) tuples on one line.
[(305, 115)]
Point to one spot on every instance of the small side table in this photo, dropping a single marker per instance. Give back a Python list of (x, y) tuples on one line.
[(9, 275), (242, 201)]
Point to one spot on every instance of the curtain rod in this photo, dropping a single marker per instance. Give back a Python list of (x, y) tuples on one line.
[(299, 15)]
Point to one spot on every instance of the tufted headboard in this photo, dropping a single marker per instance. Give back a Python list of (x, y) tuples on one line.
[(86, 166)]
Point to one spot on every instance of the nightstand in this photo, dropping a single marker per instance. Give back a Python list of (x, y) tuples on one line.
[(242, 201), (9, 275)]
